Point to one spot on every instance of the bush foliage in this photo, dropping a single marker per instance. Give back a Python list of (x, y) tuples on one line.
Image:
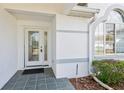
[(109, 71)]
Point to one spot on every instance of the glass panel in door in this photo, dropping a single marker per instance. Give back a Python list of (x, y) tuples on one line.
[(33, 46)]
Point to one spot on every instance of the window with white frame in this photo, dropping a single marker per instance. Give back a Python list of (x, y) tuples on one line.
[(109, 35)]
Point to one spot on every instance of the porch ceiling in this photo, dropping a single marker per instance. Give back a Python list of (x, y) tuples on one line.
[(49, 7), (31, 15)]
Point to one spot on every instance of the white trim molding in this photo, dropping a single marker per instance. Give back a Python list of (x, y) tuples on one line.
[(73, 60)]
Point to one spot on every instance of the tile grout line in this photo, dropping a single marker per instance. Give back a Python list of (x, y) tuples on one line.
[(14, 85), (36, 83), (26, 83), (56, 84), (45, 82)]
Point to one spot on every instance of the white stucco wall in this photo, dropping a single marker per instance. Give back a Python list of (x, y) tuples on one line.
[(53, 45), (8, 47), (71, 46), (71, 37), (64, 22)]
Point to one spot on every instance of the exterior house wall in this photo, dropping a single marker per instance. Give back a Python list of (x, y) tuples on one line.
[(54, 45), (71, 46), (8, 47)]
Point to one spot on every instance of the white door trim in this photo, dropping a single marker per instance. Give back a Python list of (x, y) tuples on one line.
[(40, 43), (46, 64)]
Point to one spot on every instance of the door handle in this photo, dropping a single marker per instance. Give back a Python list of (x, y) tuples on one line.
[(40, 50)]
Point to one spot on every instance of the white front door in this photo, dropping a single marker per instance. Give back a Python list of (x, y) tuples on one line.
[(34, 47)]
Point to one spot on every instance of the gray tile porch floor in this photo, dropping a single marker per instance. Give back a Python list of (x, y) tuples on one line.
[(39, 81)]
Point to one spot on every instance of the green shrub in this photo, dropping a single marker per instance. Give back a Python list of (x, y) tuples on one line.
[(109, 71)]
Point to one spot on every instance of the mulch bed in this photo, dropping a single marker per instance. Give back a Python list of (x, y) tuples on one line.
[(119, 86), (86, 83)]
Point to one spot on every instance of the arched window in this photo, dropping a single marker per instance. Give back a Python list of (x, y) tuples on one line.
[(109, 35), (115, 16)]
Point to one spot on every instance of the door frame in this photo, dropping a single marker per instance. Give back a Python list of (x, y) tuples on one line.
[(49, 60)]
